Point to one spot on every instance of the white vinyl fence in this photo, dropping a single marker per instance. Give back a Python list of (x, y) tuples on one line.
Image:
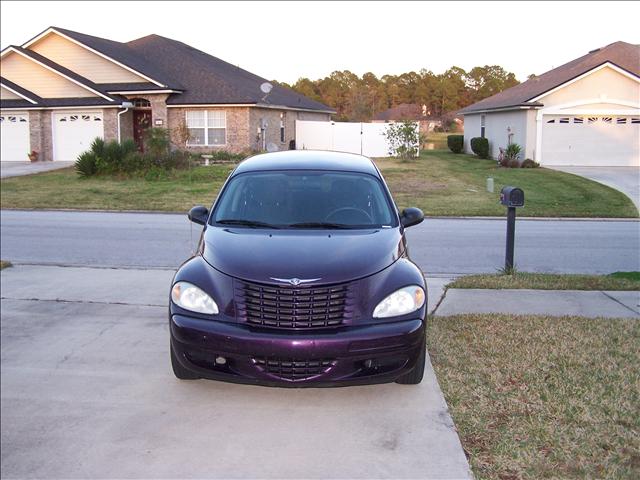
[(362, 138)]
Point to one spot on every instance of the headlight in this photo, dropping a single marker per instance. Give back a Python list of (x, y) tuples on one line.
[(190, 297), (403, 301)]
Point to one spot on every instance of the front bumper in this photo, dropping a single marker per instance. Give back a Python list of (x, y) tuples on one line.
[(354, 355)]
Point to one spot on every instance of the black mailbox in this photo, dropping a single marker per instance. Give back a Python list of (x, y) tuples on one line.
[(512, 197)]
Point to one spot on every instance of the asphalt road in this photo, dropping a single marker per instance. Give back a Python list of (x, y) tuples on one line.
[(439, 246)]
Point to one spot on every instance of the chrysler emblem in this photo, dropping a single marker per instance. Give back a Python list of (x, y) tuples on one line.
[(295, 281)]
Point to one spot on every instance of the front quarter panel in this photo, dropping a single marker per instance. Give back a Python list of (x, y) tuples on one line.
[(218, 285), (374, 289)]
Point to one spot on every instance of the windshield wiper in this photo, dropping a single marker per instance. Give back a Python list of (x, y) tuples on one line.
[(246, 223), (319, 225)]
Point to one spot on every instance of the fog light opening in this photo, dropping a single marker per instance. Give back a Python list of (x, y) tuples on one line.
[(220, 360)]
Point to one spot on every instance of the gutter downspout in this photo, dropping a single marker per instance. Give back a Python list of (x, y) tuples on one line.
[(126, 106)]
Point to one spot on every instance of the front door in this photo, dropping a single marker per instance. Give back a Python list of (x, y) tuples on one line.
[(141, 122)]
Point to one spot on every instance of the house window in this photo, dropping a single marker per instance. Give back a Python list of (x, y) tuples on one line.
[(482, 125), (564, 120), (578, 120), (207, 127), (621, 120)]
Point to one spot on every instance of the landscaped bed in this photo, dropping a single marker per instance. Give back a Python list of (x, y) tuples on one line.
[(439, 182), (549, 281), (542, 397)]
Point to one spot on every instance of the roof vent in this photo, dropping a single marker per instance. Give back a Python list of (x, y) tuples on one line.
[(596, 50)]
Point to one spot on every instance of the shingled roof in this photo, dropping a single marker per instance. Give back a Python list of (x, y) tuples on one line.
[(123, 54), (623, 55), (201, 79), (209, 80)]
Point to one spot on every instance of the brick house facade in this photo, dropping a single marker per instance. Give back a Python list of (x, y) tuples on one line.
[(61, 89)]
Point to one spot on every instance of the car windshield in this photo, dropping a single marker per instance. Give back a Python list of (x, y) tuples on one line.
[(305, 200)]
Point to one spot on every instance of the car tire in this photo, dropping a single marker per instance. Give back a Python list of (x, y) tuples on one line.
[(178, 370), (414, 377)]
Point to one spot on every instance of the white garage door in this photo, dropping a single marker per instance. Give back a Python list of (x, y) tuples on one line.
[(14, 127), (591, 140), (73, 133)]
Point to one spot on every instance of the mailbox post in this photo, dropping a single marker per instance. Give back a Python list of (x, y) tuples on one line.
[(511, 197)]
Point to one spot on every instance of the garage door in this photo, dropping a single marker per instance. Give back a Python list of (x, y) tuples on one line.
[(73, 133), (591, 140), (14, 129)]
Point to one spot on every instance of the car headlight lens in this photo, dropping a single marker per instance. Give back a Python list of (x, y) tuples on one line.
[(190, 297), (403, 301)]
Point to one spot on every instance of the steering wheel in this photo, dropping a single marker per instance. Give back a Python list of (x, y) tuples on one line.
[(359, 211)]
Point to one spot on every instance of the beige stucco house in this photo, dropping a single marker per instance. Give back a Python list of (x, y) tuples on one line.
[(61, 89), (583, 113)]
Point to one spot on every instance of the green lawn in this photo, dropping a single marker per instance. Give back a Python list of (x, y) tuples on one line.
[(546, 281), (439, 182), (537, 397)]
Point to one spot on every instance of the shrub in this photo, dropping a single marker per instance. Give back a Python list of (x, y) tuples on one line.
[(480, 146), (512, 155), (156, 142), (403, 138), (86, 164), (97, 146), (455, 143), (528, 163)]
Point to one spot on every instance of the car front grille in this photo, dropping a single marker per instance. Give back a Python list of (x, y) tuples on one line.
[(293, 307), (290, 369)]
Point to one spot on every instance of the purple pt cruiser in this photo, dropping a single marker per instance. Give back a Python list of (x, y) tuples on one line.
[(302, 279)]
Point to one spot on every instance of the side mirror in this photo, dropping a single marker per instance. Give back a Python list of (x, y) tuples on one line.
[(411, 217), (198, 214)]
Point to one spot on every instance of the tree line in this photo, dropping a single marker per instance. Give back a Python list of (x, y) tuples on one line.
[(360, 98)]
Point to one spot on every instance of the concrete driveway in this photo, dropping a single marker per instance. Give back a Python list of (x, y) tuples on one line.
[(624, 179), (17, 169), (87, 392)]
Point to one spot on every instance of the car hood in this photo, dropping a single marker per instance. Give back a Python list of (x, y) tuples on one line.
[(260, 255)]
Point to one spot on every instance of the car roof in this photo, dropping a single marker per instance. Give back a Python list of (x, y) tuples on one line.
[(308, 160)]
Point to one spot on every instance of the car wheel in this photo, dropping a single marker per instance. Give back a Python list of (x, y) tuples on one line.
[(415, 376), (178, 370)]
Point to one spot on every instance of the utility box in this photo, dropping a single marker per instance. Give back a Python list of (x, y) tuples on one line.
[(512, 197)]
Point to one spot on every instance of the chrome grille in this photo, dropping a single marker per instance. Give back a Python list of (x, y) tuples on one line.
[(290, 369), (292, 307)]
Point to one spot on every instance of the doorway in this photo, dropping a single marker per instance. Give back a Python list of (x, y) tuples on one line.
[(141, 120)]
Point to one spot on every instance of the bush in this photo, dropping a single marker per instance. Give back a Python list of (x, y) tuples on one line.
[(86, 164), (528, 163), (455, 143), (156, 142), (403, 138), (512, 155), (480, 146)]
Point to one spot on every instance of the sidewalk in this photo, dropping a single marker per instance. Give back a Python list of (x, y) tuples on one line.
[(609, 304)]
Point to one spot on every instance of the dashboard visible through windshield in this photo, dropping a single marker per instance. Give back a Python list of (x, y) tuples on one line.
[(304, 199)]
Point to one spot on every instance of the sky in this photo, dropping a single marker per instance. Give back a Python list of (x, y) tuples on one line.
[(287, 40)]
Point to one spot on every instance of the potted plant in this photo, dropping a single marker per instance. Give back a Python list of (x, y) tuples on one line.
[(33, 156)]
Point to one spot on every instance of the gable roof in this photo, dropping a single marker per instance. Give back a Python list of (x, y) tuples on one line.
[(115, 51), (621, 54), (63, 71), (196, 77), (29, 98), (209, 80)]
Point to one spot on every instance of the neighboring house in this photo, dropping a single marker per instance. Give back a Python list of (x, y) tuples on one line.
[(61, 89), (411, 112), (586, 112)]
